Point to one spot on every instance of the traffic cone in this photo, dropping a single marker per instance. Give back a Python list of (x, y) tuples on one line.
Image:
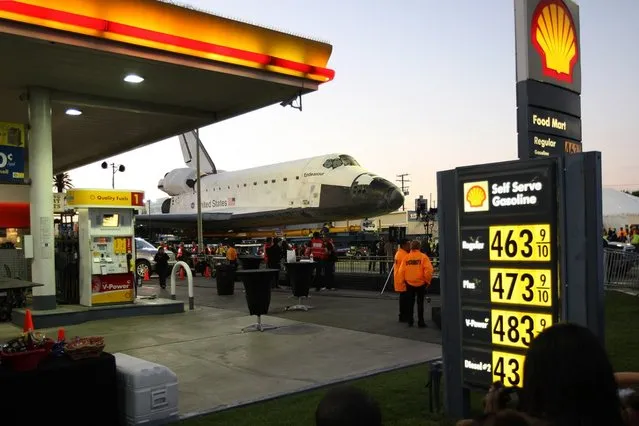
[(146, 275), (181, 273), (61, 334), (207, 272), (28, 322)]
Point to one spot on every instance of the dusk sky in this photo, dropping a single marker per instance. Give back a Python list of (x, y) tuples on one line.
[(420, 86)]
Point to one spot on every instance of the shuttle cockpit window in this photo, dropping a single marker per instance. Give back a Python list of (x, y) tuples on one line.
[(347, 160), (342, 160)]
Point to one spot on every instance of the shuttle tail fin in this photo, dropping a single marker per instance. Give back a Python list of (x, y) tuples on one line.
[(188, 143)]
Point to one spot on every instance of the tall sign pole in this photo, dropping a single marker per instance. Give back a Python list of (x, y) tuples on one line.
[(548, 78), (520, 241), (200, 232)]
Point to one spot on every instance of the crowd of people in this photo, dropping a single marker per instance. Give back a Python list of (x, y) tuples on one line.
[(629, 235), (568, 381), (412, 268), (320, 250)]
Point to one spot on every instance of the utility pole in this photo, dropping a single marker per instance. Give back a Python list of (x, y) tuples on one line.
[(403, 181)]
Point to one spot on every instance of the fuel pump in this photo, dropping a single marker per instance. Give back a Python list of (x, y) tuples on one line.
[(107, 244)]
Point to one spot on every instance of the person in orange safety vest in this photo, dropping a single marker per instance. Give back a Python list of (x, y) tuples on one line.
[(400, 286), (416, 271)]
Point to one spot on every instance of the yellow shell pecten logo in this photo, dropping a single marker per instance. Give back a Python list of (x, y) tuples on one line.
[(476, 196), (555, 39)]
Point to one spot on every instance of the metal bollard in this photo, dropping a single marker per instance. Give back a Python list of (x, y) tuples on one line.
[(434, 384), (189, 280)]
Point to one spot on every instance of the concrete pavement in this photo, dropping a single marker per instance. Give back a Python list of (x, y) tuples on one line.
[(350, 309), (345, 336)]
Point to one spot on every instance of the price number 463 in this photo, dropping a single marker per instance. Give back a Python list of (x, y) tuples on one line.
[(527, 243)]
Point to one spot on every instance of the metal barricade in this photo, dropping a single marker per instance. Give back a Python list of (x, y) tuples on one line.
[(621, 269), (370, 265), (364, 265)]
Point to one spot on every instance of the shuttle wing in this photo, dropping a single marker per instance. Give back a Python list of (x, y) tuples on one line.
[(181, 218), (221, 221), (188, 143)]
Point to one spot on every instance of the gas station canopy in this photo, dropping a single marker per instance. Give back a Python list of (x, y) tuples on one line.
[(198, 69)]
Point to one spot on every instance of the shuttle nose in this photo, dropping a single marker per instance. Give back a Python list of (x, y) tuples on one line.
[(387, 193), (376, 195), (394, 198)]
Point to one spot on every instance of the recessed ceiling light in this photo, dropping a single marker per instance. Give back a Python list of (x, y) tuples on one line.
[(73, 111), (133, 78)]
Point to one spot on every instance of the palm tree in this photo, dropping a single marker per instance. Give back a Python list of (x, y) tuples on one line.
[(62, 182)]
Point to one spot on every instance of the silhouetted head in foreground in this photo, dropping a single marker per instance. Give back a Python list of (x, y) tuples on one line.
[(348, 406), (568, 379)]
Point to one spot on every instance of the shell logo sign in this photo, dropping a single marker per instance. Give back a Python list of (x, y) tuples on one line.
[(554, 37), (476, 196)]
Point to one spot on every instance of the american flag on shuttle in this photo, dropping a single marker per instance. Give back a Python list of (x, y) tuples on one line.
[(231, 202)]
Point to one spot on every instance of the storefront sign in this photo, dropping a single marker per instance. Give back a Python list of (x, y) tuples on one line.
[(11, 164), (508, 281), (12, 134), (104, 198), (59, 202), (533, 119)]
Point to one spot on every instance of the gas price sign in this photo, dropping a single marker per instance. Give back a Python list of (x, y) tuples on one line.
[(508, 252)]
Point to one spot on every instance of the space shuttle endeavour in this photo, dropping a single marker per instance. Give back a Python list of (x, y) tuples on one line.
[(326, 188)]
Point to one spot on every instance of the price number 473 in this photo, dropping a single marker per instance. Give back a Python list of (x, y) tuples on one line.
[(521, 286)]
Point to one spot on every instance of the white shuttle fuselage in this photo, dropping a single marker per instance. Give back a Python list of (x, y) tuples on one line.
[(318, 189)]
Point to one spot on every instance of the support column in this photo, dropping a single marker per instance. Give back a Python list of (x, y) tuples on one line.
[(40, 147)]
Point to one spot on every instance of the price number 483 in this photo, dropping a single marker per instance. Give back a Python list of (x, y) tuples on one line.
[(517, 329)]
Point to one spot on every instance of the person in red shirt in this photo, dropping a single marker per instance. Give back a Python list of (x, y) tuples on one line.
[(181, 252), (318, 254), (267, 245)]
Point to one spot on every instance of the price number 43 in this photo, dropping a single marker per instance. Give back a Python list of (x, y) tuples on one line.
[(508, 368), (525, 242)]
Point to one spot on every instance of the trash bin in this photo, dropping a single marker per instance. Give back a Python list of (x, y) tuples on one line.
[(250, 262), (225, 279)]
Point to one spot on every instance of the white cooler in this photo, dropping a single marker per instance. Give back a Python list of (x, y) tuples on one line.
[(148, 392)]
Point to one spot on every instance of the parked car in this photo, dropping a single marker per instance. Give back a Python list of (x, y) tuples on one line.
[(145, 257)]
